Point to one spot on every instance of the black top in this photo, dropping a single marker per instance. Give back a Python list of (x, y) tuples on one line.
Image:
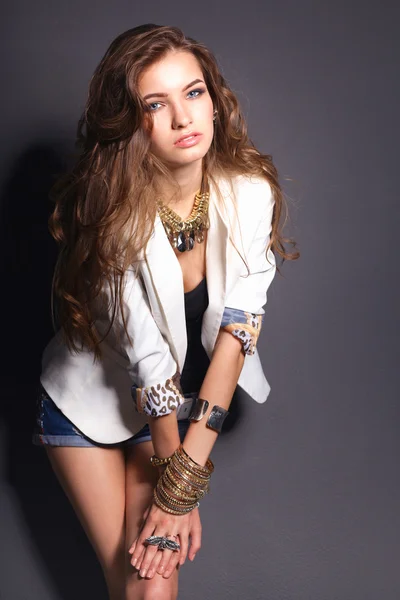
[(196, 361)]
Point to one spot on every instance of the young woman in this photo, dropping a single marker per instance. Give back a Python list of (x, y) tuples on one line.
[(168, 230)]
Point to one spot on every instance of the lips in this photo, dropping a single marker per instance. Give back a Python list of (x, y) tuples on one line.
[(188, 136)]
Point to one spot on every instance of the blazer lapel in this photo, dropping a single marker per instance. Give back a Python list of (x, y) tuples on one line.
[(216, 254), (167, 281)]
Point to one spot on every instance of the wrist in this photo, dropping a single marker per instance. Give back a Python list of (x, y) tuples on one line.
[(182, 484), (161, 470)]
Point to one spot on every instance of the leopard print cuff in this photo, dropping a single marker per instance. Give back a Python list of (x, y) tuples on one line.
[(160, 399), (244, 326)]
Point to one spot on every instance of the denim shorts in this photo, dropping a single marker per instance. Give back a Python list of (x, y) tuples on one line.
[(53, 428)]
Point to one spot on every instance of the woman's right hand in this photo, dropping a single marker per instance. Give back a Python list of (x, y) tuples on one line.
[(195, 533), (149, 559)]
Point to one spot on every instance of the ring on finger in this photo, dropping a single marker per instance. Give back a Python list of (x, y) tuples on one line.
[(177, 545), (169, 544), (166, 558), (163, 542)]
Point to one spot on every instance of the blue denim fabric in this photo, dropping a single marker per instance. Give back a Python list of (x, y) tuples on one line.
[(53, 428), (244, 326), (234, 315)]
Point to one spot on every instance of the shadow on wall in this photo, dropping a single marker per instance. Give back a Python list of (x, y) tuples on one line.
[(44, 552)]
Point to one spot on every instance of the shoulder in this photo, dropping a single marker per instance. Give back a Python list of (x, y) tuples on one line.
[(250, 194), (254, 193), (247, 201)]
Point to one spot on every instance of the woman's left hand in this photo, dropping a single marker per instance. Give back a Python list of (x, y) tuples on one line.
[(158, 522)]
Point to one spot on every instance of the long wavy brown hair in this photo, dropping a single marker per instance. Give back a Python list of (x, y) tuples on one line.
[(104, 205)]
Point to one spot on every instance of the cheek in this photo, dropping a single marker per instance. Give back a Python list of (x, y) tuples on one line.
[(209, 125), (204, 112), (207, 120), (157, 136)]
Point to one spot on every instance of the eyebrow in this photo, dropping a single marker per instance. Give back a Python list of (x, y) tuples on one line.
[(163, 95)]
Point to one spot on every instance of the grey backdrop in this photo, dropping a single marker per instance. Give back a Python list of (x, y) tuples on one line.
[(305, 495)]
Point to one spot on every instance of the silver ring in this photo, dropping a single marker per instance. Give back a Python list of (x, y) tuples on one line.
[(163, 543)]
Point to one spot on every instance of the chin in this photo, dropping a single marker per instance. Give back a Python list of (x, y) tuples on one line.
[(187, 157)]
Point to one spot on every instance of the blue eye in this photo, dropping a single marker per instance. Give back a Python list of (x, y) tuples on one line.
[(150, 105), (198, 93)]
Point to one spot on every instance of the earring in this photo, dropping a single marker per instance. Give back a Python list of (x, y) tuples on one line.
[(215, 115)]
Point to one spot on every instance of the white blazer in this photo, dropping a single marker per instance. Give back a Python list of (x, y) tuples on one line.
[(97, 396)]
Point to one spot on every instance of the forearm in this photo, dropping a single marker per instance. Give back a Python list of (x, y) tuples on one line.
[(218, 387), (164, 434)]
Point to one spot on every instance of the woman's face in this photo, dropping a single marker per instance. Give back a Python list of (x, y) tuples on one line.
[(176, 94)]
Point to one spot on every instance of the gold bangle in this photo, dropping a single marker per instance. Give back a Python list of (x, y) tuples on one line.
[(208, 468), (181, 470), (193, 491), (163, 495), (180, 484), (177, 457), (202, 474), (178, 496), (159, 462), (166, 508), (169, 478), (176, 488), (174, 492), (183, 482), (180, 501), (172, 510)]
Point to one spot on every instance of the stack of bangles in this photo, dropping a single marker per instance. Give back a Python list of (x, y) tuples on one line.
[(182, 483)]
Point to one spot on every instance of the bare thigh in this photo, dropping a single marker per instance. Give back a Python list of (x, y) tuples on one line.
[(94, 481), (141, 478)]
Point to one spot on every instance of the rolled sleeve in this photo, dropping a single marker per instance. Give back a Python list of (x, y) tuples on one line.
[(244, 326), (244, 304), (155, 378), (159, 399)]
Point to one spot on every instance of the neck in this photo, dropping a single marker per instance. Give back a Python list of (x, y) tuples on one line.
[(189, 178)]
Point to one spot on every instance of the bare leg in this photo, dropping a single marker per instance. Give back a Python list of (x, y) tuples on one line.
[(94, 481), (141, 478)]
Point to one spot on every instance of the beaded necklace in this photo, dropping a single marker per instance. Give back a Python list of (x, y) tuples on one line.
[(182, 234)]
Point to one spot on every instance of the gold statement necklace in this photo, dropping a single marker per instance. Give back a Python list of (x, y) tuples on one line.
[(182, 234)]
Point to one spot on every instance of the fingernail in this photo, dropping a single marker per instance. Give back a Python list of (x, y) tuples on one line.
[(162, 568), (134, 561), (150, 574), (142, 572), (194, 556)]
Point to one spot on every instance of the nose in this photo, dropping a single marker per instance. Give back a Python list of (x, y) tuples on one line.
[(181, 117)]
